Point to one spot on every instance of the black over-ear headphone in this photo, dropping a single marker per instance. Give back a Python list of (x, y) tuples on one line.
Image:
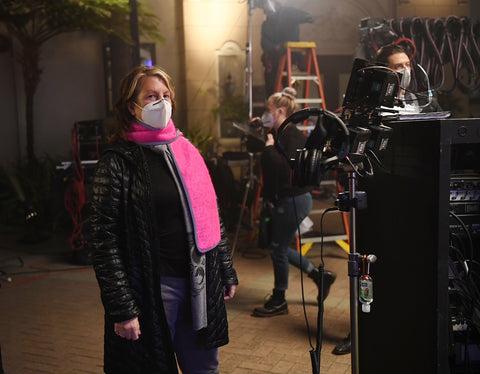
[(328, 143)]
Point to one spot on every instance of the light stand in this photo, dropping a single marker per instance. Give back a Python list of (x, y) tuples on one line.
[(249, 67), (348, 204), (348, 201), (309, 165), (249, 87), (353, 274), (354, 201)]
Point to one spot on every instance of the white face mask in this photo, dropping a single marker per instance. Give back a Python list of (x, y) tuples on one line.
[(406, 77), (156, 114), (267, 120)]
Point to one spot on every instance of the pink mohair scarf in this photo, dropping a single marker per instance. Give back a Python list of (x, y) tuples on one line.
[(199, 189)]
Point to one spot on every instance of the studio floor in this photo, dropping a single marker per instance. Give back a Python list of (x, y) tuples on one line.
[(52, 318)]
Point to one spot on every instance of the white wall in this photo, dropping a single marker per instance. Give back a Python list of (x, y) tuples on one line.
[(208, 25), (71, 89)]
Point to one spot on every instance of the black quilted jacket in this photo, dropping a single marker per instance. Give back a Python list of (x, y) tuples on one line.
[(121, 239)]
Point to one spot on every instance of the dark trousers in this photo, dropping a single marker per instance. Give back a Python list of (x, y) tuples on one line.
[(191, 358)]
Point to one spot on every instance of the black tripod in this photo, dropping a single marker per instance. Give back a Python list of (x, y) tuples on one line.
[(252, 179)]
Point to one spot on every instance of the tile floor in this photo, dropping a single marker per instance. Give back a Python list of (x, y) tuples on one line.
[(52, 319)]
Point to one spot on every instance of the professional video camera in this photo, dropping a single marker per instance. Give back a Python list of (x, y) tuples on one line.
[(254, 134), (356, 135), (369, 88)]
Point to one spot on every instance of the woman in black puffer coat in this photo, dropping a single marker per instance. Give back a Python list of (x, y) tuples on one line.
[(160, 251)]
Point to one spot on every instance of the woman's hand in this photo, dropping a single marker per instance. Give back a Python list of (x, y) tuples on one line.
[(128, 329), (270, 140), (229, 291)]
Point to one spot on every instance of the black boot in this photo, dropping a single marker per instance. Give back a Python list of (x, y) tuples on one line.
[(344, 347), (275, 306), (328, 279)]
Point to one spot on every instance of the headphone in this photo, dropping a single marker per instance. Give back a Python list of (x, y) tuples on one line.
[(327, 144)]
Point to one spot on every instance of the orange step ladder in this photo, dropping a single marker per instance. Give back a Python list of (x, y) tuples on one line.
[(306, 76)]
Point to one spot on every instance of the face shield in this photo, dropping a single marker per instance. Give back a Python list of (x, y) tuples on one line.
[(406, 77)]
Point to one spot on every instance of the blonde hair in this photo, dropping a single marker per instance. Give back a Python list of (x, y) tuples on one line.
[(284, 99), (130, 86)]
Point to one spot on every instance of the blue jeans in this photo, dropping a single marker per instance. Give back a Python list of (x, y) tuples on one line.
[(285, 224), (191, 358)]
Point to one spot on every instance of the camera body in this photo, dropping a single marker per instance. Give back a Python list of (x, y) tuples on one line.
[(257, 136), (371, 87)]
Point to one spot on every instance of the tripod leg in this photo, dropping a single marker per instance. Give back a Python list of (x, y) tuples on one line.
[(249, 185), (257, 189), (239, 223)]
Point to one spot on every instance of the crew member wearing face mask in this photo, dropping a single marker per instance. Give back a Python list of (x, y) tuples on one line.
[(397, 58), (155, 114), (291, 204), (400, 63)]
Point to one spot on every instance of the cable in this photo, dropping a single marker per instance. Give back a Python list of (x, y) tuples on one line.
[(75, 197), (322, 263), (467, 232), (328, 210), (464, 279), (369, 172), (357, 170), (377, 160), (301, 273), (444, 45)]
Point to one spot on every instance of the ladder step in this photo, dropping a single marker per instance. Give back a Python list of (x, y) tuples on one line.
[(305, 77), (309, 101), (301, 45), (300, 75), (326, 238)]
